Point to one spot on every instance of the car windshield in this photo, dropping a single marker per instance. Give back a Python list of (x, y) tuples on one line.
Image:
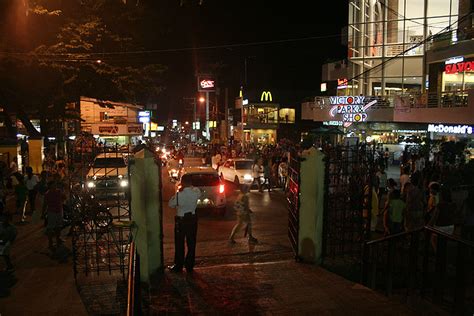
[(243, 165), (110, 162), (203, 180)]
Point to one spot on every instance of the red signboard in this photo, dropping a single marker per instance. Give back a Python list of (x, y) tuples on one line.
[(464, 66)]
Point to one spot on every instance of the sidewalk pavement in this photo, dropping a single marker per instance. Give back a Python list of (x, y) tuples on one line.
[(44, 286), (270, 288)]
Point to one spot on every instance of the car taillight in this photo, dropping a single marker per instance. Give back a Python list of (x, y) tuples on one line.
[(221, 188)]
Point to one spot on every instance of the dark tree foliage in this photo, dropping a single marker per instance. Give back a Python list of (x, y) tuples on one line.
[(62, 50)]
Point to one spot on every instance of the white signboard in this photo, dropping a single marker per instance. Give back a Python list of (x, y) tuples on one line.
[(350, 109)]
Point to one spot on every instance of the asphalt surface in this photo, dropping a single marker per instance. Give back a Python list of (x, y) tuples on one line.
[(270, 224)]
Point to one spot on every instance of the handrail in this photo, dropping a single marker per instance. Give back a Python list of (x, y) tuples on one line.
[(394, 236), (429, 228), (449, 236), (131, 281)]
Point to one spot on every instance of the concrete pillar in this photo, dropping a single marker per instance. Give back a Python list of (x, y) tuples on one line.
[(35, 154), (146, 212), (310, 237)]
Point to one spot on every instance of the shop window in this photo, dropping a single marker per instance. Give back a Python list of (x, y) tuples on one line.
[(287, 115)]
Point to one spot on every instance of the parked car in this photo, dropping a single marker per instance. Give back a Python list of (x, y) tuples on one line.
[(238, 170), (108, 174), (211, 185)]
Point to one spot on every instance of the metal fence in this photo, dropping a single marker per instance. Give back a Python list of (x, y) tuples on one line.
[(427, 263)]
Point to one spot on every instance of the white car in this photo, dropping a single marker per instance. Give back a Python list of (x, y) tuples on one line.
[(211, 186), (109, 172), (237, 170)]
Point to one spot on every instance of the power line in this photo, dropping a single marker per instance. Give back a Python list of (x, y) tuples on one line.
[(98, 54)]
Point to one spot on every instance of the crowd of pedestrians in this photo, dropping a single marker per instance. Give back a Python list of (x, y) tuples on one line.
[(428, 192), (36, 197)]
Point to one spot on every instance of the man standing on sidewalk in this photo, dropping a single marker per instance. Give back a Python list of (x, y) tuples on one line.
[(185, 226)]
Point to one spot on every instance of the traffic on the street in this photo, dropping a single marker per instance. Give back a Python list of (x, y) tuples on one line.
[(205, 157)]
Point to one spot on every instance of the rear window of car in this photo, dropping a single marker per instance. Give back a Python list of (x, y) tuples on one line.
[(112, 162), (203, 180), (242, 165)]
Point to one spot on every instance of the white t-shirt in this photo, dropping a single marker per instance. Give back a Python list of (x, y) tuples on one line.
[(13, 167), (185, 201), (31, 183), (256, 170)]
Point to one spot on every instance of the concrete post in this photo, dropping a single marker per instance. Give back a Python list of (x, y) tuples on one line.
[(146, 212), (35, 154), (311, 206)]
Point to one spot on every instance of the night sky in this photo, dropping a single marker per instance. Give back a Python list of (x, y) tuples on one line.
[(292, 68)]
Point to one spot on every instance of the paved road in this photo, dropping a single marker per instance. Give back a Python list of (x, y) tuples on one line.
[(270, 220)]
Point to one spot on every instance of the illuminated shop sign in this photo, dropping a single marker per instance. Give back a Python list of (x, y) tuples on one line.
[(460, 66), (342, 83), (333, 123), (266, 96), (324, 87), (206, 84), (454, 60), (450, 129), (144, 116), (351, 109)]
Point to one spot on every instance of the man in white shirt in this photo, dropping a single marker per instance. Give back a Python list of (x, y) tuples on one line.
[(31, 180), (185, 227), (257, 173)]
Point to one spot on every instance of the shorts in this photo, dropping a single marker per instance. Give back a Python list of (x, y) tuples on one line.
[(55, 221), (445, 229)]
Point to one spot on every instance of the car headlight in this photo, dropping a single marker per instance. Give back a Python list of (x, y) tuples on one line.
[(123, 183), (248, 177), (90, 184)]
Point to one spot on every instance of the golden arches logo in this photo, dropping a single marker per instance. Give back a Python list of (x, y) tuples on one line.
[(266, 96)]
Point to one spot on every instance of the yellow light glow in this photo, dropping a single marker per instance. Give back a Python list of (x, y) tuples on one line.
[(266, 96)]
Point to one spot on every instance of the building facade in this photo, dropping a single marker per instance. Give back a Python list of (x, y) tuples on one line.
[(409, 73), (262, 120), (112, 122)]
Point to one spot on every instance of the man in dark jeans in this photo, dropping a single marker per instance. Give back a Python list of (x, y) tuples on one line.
[(185, 227)]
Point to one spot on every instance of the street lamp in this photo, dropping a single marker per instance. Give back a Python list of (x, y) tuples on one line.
[(202, 99)]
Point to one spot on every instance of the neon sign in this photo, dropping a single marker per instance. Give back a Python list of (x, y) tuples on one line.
[(463, 66), (342, 83), (266, 96), (206, 84), (352, 109), (450, 129)]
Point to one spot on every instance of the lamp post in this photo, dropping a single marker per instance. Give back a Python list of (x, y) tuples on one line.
[(202, 100)]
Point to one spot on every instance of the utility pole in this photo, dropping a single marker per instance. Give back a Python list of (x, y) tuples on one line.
[(208, 136)]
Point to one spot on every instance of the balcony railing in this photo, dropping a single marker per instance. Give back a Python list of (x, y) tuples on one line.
[(453, 99)]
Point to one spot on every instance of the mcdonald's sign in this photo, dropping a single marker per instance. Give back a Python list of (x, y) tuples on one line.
[(266, 96)]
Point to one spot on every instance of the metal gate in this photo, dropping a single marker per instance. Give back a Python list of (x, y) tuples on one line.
[(348, 188), (293, 198), (99, 215)]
